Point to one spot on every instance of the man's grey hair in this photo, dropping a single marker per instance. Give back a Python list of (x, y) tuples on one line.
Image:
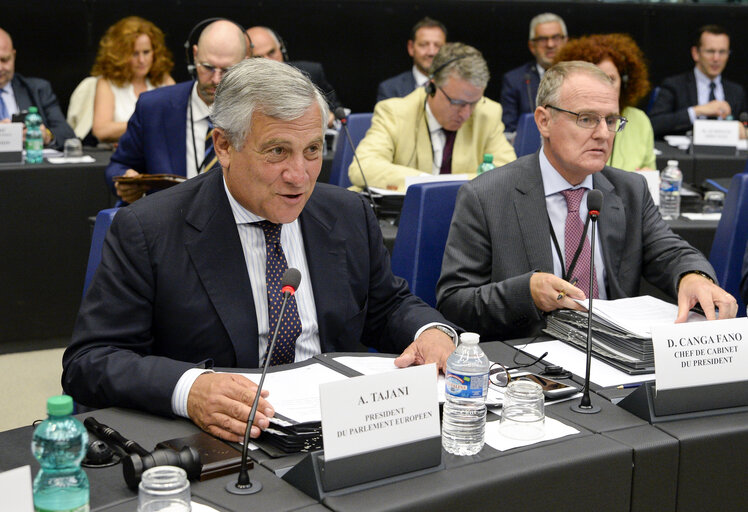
[(547, 17), (464, 61), (272, 88), (549, 90)]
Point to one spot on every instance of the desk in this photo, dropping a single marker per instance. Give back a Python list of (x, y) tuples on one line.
[(617, 462), (44, 211), (698, 167)]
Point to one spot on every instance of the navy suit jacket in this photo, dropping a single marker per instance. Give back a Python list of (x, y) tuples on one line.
[(517, 96), (38, 93), (316, 74), (172, 291), (397, 86), (154, 141), (669, 113)]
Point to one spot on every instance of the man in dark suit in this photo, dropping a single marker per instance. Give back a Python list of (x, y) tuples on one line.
[(266, 43), (515, 230), (701, 93), (18, 93), (186, 279), (426, 37), (167, 132), (520, 85)]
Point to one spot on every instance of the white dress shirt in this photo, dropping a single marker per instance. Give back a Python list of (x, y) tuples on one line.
[(703, 90), (198, 129)]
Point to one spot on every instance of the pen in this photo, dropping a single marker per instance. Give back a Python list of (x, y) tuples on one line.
[(630, 386), (573, 282)]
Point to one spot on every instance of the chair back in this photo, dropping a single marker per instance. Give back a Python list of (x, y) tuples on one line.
[(357, 126), (527, 140), (729, 245), (422, 235), (652, 99), (101, 226)]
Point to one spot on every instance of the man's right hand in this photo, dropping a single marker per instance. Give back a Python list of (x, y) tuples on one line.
[(545, 289), (130, 192), (715, 108), (220, 403)]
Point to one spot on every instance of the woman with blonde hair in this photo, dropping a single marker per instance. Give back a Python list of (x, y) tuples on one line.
[(132, 59)]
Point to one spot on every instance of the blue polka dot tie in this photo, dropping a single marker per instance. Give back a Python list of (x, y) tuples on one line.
[(290, 327)]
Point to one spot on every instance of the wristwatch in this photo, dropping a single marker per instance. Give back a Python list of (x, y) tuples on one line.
[(448, 331)]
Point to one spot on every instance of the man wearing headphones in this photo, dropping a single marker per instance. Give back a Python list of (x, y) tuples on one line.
[(442, 128), (170, 131)]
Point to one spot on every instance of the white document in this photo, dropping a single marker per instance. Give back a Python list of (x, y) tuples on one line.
[(433, 178), (85, 159), (295, 393), (373, 412), (703, 216), (553, 430), (15, 488), (701, 354), (575, 361)]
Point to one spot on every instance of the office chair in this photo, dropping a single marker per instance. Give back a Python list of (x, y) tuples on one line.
[(527, 139), (103, 221), (357, 125)]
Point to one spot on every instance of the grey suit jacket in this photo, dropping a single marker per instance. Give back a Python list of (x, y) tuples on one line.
[(500, 235), (38, 93)]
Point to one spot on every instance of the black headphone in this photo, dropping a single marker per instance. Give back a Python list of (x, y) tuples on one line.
[(281, 43), (196, 30), (624, 81), (430, 85)]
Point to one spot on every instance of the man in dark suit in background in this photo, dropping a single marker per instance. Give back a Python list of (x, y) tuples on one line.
[(269, 45), (168, 130), (18, 93), (426, 37), (520, 85), (515, 230), (190, 277), (701, 93)]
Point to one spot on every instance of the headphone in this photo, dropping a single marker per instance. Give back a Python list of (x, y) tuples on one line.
[(281, 43), (624, 81), (196, 30), (430, 85)]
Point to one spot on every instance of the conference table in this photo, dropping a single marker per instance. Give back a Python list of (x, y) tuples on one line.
[(617, 462), (698, 166)]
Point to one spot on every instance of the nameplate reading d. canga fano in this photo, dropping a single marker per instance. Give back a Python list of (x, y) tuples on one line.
[(701, 353), (372, 412)]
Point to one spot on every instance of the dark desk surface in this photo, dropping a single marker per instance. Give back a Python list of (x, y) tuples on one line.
[(697, 167)]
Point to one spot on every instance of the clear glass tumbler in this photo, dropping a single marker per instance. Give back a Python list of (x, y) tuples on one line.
[(523, 412), (164, 489)]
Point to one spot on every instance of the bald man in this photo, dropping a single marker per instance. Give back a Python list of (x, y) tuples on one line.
[(18, 93), (168, 131)]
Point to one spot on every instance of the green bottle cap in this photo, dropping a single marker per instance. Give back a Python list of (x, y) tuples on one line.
[(33, 110), (488, 158), (60, 405)]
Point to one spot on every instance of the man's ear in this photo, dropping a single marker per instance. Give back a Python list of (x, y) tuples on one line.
[(411, 48), (543, 121), (222, 147), (695, 53)]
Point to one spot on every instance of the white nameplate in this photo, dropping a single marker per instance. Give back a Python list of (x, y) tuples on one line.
[(372, 412), (11, 137), (700, 353), (711, 132), (15, 488)]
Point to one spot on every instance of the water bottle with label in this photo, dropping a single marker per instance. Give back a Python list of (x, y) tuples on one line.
[(59, 444), (464, 418), (671, 181), (34, 139), (487, 164)]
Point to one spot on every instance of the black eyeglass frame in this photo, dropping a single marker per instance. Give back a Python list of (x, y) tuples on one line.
[(544, 40), (617, 117), (460, 103), (498, 374)]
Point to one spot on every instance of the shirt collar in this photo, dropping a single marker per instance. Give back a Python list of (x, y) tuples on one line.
[(433, 124), (541, 70), (553, 182), (241, 214), (8, 88), (419, 77), (703, 80)]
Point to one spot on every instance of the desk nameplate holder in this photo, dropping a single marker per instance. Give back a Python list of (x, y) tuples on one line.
[(11, 143), (318, 478), (676, 404), (715, 137)]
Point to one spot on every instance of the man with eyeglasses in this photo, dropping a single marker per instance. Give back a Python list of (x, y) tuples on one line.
[(520, 85), (701, 93), (444, 127), (170, 131), (511, 255)]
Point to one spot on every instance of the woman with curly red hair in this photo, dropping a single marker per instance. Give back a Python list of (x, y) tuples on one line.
[(621, 59), (132, 59)]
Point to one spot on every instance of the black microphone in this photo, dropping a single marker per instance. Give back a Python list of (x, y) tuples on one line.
[(530, 99), (108, 434), (340, 116), (594, 205), (289, 284), (743, 117)]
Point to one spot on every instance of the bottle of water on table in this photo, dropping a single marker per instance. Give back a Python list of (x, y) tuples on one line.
[(671, 181), (464, 418), (59, 444), (34, 139)]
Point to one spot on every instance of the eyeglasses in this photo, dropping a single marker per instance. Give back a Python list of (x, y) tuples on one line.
[(212, 69), (459, 103), (499, 376), (590, 120), (545, 39), (719, 53)]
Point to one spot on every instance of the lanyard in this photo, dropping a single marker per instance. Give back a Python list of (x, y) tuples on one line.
[(565, 275)]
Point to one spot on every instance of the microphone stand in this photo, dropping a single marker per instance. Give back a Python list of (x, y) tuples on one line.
[(585, 405), (367, 190)]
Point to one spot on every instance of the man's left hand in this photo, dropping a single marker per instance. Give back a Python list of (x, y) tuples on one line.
[(432, 346), (46, 135), (695, 288)]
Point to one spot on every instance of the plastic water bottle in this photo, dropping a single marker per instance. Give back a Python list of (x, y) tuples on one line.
[(59, 445), (487, 164), (671, 180), (34, 139), (464, 419)]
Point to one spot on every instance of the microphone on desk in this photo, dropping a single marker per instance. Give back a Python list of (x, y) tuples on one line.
[(243, 485), (594, 205), (530, 99), (343, 118), (743, 117)]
